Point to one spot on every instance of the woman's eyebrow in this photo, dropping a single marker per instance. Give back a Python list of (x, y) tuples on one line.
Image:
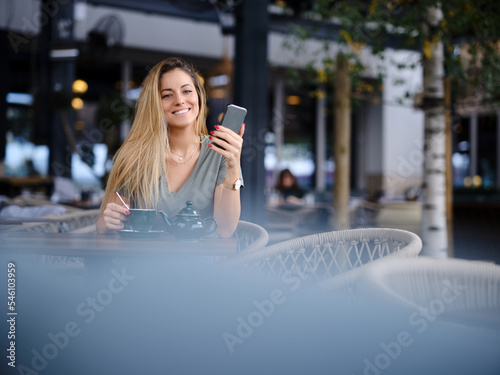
[(186, 84)]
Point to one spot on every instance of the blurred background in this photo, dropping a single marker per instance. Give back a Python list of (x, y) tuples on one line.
[(72, 71)]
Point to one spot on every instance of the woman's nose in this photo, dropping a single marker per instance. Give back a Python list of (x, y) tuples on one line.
[(179, 99)]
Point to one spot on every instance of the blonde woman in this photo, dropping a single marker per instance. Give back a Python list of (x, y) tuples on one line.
[(169, 158)]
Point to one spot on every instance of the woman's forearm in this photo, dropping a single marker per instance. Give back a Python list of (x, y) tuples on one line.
[(227, 206), (227, 209)]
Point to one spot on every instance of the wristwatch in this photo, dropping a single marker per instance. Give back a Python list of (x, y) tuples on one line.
[(236, 185)]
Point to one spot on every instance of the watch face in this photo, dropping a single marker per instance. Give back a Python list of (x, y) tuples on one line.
[(237, 184)]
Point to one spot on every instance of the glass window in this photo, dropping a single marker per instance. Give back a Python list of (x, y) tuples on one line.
[(461, 153), (487, 151)]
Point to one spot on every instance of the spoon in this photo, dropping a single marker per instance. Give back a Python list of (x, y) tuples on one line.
[(125, 204)]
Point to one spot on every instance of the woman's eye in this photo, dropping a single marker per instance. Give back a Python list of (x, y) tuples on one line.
[(188, 91), (166, 96)]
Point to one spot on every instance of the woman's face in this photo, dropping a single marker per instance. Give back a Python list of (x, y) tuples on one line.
[(179, 98), (287, 180)]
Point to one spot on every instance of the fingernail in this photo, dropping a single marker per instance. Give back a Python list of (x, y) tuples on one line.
[(210, 146), (216, 126), (212, 132), (128, 212)]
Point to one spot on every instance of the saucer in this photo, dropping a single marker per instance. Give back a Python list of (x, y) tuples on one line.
[(129, 233)]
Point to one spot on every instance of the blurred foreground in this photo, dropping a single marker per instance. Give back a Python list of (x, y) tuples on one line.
[(188, 315)]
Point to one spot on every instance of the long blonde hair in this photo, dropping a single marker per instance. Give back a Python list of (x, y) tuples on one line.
[(140, 163)]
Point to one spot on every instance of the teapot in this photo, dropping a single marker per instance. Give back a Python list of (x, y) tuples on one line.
[(188, 225)]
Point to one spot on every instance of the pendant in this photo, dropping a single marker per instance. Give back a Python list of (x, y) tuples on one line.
[(180, 158)]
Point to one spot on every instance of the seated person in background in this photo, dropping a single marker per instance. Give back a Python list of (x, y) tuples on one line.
[(288, 188), (168, 157)]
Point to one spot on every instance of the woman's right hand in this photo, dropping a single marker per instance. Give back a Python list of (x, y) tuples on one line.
[(114, 215)]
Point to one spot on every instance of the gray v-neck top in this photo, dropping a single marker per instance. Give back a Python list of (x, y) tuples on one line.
[(209, 172)]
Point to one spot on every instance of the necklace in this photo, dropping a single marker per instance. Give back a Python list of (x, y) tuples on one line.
[(186, 154), (182, 157), (177, 163)]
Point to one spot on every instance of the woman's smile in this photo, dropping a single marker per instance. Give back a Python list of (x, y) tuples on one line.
[(181, 111)]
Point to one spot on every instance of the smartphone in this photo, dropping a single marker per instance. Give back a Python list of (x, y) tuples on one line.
[(234, 117)]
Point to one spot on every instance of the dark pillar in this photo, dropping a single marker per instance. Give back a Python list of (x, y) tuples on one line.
[(43, 114), (250, 91), (4, 88), (62, 74)]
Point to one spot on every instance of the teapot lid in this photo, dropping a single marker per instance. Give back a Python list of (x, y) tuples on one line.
[(188, 210)]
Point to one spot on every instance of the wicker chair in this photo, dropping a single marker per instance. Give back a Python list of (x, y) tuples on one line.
[(39, 227), (64, 223), (250, 236), (80, 219), (331, 260), (457, 290)]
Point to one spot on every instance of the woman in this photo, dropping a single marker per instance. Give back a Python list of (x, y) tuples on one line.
[(168, 157), (289, 188)]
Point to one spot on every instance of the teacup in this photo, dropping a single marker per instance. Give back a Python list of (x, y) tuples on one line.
[(141, 220)]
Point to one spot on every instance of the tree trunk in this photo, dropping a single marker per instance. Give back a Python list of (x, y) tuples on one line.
[(342, 143), (434, 229)]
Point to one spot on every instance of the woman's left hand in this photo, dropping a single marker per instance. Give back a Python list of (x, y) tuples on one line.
[(229, 144)]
